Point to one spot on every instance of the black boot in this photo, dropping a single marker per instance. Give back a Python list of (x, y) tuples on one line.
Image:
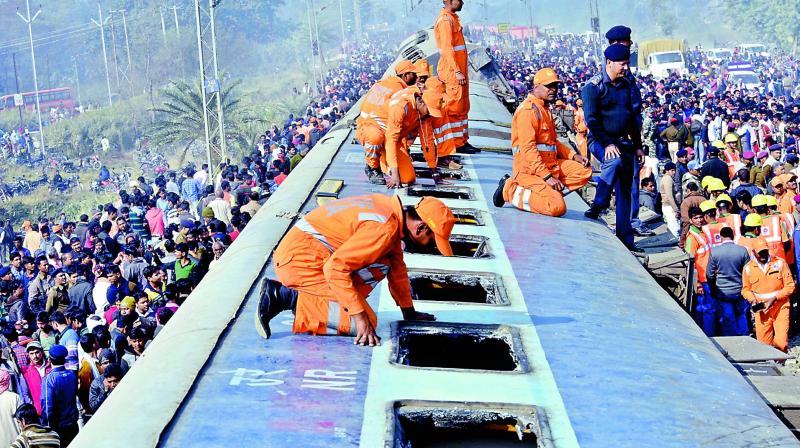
[(375, 175), (467, 149), (275, 298), (497, 197)]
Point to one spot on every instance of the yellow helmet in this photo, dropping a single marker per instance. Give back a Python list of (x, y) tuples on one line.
[(759, 200), (718, 144), (724, 198), (772, 201), (704, 183), (715, 185), (708, 205), (731, 138), (753, 220)]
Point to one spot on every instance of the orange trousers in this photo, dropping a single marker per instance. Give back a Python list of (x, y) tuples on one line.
[(404, 162), (772, 325), (531, 193), (298, 264), (457, 111), (372, 137), (583, 144)]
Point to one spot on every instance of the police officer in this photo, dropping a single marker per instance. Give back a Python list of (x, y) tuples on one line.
[(621, 34), (614, 139)]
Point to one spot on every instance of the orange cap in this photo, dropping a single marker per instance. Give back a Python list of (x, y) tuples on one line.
[(404, 66), (545, 76), (423, 69), (434, 96), (440, 220), (759, 245)]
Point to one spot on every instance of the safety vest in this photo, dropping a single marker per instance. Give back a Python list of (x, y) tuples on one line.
[(731, 159), (375, 107), (749, 242), (788, 220), (700, 250), (711, 232), (772, 234), (734, 221)]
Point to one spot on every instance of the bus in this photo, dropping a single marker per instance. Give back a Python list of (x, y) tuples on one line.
[(48, 98)]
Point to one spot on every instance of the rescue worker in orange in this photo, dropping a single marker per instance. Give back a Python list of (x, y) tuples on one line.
[(712, 226), (371, 122), (786, 202), (453, 70), (432, 140), (333, 257), (773, 227), (544, 169), (767, 284), (408, 109), (423, 72), (733, 220), (698, 247), (751, 233)]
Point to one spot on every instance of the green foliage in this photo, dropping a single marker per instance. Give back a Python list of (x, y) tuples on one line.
[(777, 21)]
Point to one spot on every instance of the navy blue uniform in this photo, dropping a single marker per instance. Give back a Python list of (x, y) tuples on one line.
[(609, 109)]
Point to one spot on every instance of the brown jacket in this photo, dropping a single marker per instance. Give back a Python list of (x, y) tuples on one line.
[(692, 199)]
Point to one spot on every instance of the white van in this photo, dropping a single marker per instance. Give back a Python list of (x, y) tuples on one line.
[(662, 64), (719, 54), (754, 50)]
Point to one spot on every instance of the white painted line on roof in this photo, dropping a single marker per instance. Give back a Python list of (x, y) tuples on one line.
[(389, 383)]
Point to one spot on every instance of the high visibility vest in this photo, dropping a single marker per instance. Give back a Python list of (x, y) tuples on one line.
[(711, 232), (771, 231), (731, 159), (749, 243), (701, 253), (734, 221)]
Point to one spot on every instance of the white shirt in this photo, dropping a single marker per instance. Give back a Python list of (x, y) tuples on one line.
[(9, 402), (201, 177)]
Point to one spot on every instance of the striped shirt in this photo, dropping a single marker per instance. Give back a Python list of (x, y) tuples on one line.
[(36, 436)]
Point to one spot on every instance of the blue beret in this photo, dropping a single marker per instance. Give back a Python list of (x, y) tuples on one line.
[(681, 153), (58, 352), (790, 141), (776, 147), (793, 159), (5, 270), (619, 32), (188, 223), (617, 53)]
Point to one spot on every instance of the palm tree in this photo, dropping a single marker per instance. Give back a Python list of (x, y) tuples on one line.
[(179, 118)]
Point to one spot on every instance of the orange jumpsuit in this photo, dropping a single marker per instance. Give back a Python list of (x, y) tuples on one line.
[(402, 127), (761, 283), (371, 122), (581, 133), (336, 255), (786, 203), (537, 155), (453, 58)]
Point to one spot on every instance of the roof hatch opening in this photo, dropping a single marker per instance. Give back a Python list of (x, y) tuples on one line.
[(442, 345), (457, 287), (444, 173), (419, 156), (468, 216), (446, 424), (442, 192), (464, 246)]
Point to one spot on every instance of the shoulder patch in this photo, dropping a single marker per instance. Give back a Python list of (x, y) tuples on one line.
[(596, 79)]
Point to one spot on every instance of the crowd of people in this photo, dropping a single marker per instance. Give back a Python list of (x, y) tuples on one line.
[(721, 170), (80, 300)]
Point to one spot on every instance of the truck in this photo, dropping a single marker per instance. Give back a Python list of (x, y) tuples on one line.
[(719, 54), (753, 50), (662, 57)]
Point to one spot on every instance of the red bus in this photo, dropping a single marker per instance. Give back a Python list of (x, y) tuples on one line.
[(48, 98)]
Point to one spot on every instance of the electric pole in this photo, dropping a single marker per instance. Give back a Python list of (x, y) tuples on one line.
[(594, 12), (29, 20), (341, 23), (101, 24), (114, 46), (177, 25), (77, 82), (210, 83), (319, 45), (357, 17), (313, 46), (16, 81), (126, 70), (163, 24)]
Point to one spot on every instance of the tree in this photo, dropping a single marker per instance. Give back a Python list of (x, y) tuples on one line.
[(780, 17), (179, 119)]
